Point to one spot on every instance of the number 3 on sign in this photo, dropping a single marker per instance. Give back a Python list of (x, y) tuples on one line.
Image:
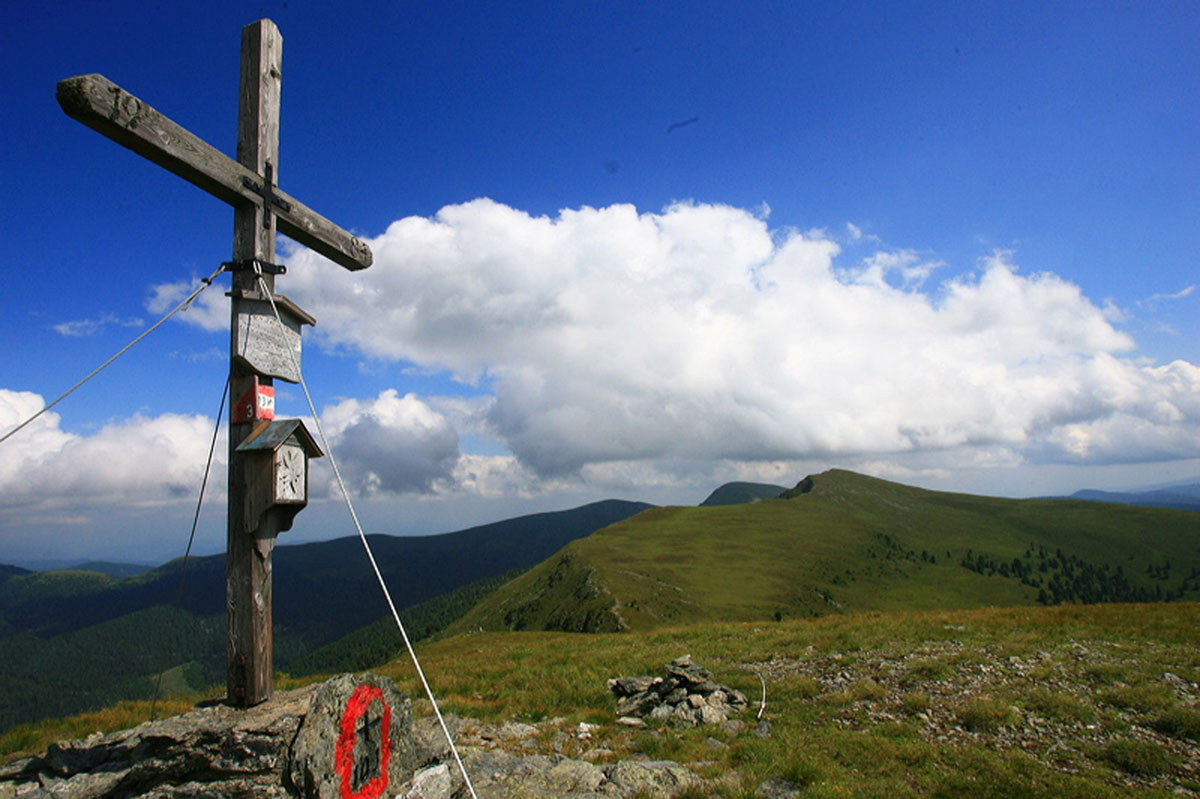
[(256, 402)]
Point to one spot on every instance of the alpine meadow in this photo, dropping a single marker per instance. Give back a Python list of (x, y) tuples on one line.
[(901, 641)]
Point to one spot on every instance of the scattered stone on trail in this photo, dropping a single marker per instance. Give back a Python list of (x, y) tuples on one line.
[(686, 694), (1185, 689), (432, 783), (776, 788), (496, 773)]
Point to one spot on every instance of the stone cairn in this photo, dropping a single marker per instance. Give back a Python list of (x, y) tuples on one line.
[(687, 693)]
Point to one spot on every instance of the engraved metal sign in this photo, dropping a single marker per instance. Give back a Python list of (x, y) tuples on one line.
[(265, 346)]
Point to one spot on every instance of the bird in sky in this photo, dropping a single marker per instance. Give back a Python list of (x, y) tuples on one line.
[(682, 124)]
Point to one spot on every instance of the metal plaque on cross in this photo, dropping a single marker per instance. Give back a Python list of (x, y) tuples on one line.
[(262, 344)]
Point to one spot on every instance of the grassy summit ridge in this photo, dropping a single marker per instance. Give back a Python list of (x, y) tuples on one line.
[(741, 493), (843, 541)]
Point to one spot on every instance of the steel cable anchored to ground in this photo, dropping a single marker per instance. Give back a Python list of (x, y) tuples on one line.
[(367, 547)]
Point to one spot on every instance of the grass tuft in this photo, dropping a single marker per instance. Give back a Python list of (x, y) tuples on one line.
[(1144, 698), (915, 702), (985, 714), (868, 689), (1058, 706), (800, 687), (1138, 757), (1179, 722), (927, 670)]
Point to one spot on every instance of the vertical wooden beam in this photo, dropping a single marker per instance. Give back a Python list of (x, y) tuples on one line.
[(249, 185), (248, 555)]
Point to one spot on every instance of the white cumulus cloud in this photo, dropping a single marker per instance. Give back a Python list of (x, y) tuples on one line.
[(610, 336), (140, 460), (391, 444)]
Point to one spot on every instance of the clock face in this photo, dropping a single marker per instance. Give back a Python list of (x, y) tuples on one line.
[(290, 482)]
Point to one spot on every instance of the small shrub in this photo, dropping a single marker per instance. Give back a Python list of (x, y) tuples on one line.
[(985, 715), (1179, 722), (1138, 757)]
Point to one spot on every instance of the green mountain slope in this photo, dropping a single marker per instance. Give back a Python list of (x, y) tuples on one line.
[(380, 641), (842, 541), (742, 493), (7, 571)]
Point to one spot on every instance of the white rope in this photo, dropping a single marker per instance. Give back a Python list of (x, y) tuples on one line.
[(205, 283), (362, 537)]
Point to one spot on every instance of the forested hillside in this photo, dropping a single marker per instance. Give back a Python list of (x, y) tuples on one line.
[(75, 640)]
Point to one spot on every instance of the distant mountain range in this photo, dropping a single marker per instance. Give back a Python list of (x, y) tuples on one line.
[(1182, 497), (103, 566)]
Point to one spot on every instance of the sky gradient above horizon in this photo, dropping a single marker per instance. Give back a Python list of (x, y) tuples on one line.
[(628, 250)]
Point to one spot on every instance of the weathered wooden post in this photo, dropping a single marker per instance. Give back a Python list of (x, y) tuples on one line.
[(250, 658), (264, 495)]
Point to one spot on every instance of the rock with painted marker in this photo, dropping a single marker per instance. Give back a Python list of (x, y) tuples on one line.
[(356, 740)]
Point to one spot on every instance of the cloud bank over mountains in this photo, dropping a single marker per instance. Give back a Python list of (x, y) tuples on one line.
[(700, 334), (613, 347)]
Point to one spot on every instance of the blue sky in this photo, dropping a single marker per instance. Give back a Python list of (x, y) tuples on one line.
[(623, 249)]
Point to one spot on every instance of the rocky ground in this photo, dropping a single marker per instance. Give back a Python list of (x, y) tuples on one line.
[(1082, 707), (1067, 707)]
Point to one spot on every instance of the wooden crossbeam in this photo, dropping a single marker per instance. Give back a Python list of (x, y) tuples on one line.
[(106, 108)]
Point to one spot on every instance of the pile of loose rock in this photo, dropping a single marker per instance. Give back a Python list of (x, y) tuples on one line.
[(687, 693)]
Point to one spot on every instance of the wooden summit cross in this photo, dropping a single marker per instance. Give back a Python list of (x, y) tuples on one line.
[(258, 348)]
